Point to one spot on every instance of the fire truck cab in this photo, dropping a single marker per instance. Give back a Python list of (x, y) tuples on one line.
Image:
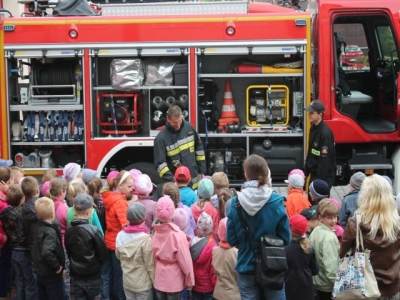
[(95, 89)]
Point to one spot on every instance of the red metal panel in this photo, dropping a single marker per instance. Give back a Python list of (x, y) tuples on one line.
[(161, 32), (193, 87)]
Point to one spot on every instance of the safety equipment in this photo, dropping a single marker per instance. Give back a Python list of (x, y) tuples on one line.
[(45, 157), (228, 114), (16, 130)]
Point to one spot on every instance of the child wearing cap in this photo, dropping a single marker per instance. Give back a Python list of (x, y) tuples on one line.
[(224, 259), (173, 263), (312, 217), (205, 192), (301, 262), (201, 251), (47, 253), (143, 188), (133, 249), (297, 199), (86, 251), (326, 245), (183, 178)]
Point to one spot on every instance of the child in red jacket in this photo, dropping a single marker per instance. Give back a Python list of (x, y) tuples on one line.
[(201, 251)]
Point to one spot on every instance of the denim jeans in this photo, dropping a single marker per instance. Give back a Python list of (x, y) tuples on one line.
[(249, 290), (106, 278), (117, 289), (87, 289), (49, 289), (167, 296), (25, 279)]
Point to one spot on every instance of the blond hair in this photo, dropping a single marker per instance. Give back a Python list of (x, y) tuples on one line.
[(326, 208), (75, 187), (220, 180), (58, 185), (172, 190), (44, 209), (377, 208)]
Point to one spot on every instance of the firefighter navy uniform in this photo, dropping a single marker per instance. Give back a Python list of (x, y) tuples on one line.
[(175, 148), (321, 157)]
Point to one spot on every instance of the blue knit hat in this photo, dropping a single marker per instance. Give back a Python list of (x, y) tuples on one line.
[(319, 189), (205, 189)]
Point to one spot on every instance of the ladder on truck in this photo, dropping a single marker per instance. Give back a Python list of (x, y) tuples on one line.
[(175, 8)]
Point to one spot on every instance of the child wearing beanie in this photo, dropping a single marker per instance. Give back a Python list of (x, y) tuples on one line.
[(301, 261), (201, 251), (183, 179), (205, 191), (224, 259), (134, 250), (319, 190), (297, 199), (173, 264), (143, 188)]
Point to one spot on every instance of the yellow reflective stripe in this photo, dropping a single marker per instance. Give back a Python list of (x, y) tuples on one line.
[(195, 185), (200, 157), (180, 148), (315, 152), (164, 171)]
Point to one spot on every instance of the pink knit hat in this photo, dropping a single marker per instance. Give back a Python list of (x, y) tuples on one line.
[(111, 176), (143, 185), (135, 173), (165, 209), (45, 188), (222, 229), (181, 218)]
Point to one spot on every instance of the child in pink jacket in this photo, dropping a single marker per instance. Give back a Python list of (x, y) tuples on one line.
[(201, 251), (173, 263)]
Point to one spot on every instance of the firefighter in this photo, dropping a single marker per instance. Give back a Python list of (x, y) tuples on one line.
[(178, 144), (321, 156)]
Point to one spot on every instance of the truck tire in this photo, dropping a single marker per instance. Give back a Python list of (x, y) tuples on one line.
[(146, 168)]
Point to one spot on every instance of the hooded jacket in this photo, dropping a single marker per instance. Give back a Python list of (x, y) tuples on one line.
[(136, 256), (265, 215), (85, 249), (348, 208), (296, 201), (204, 275), (173, 263), (174, 148), (47, 251), (116, 207), (384, 255)]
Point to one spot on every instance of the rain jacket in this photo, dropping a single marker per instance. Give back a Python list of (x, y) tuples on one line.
[(173, 263), (116, 207)]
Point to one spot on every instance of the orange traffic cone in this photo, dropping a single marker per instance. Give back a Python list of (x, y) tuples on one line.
[(228, 114)]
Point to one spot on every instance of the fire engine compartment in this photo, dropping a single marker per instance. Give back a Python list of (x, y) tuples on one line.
[(131, 90)]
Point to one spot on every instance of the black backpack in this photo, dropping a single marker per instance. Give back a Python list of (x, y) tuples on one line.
[(271, 263)]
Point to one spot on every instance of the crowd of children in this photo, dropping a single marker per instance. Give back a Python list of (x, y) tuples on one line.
[(76, 236)]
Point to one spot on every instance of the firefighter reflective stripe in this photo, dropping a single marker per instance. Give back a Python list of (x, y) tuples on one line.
[(200, 155), (180, 146), (315, 152), (195, 182), (162, 169)]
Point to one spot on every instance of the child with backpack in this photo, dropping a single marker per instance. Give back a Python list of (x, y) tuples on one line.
[(201, 251), (173, 263), (301, 261), (86, 251), (135, 254)]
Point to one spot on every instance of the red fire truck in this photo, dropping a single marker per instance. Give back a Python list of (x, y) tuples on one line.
[(95, 89)]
